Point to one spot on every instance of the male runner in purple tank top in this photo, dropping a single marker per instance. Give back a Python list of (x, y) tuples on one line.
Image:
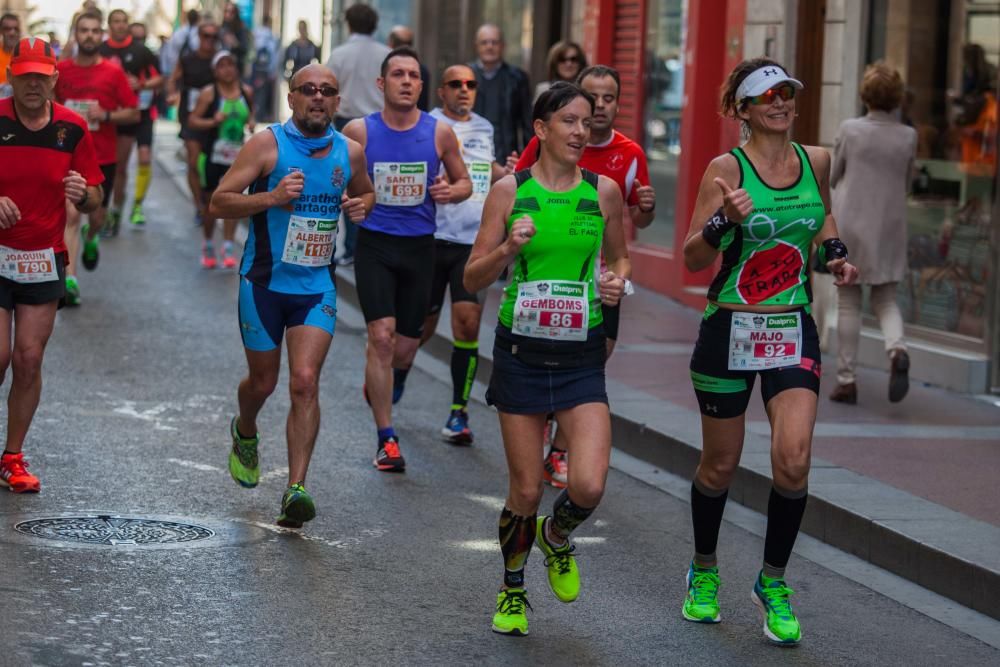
[(395, 248)]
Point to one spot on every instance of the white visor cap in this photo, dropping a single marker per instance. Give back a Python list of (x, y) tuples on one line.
[(764, 79), (220, 55)]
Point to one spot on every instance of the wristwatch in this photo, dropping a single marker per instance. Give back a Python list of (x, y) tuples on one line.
[(629, 289)]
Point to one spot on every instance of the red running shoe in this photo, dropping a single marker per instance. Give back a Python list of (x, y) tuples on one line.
[(389, 458), (15, 476)]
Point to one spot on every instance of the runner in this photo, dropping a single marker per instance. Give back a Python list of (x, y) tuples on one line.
[(301, 175), (140, 65), (763, 205), (192, 74), (457, 225), (549, 352), (96, 89), (609, 153), (223, 113), (10, 35), (56, 164), (404, 147)]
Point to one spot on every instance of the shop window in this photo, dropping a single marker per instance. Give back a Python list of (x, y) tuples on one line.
[(662, 115), (948, 53)]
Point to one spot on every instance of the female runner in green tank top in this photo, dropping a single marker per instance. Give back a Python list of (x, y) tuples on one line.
[(765, 205), (550, 223)]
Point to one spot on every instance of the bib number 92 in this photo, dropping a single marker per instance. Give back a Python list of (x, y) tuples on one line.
[(771, 350)]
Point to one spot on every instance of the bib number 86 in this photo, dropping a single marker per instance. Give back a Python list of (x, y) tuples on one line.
[(567, 320)]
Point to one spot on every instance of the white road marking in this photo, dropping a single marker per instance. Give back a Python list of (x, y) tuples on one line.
[(493, 502), (204, 467), (493, 545)]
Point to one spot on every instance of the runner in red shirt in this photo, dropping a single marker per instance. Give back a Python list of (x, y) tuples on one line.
[(98, 90), (49, 162), (608, 153)]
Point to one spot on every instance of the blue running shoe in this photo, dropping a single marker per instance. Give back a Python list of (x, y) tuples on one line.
[(457, 431)]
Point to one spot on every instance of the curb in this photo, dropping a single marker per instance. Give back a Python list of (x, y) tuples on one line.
[(930, 545)]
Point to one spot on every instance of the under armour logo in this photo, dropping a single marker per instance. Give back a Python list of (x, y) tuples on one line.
[(771, 72)]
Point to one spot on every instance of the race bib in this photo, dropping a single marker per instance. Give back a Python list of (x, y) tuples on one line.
[(192, 100), (760, 341), (225, 152), (146, 98), (400, 183), (552, 309), (309, 241), (28, 266), (82, 107), (481, 174)]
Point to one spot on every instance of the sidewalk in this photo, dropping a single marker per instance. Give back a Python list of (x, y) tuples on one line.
[(911, 487)]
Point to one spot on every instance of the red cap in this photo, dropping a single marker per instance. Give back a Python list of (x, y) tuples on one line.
[(32, 56)]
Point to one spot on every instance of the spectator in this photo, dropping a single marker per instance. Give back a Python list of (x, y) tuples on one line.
[(401, 35), (10, 25), (357, 64), (301, 52), (872, 165), (566, 61), (504, 98), (235, 36), (264, 71)]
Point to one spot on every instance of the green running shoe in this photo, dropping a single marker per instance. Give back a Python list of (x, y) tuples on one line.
[(137, 219), (702, 602), (243, 464), (511, 617), (297, 507), (72, 297), (91, 249), (771, 597), (564, 576)]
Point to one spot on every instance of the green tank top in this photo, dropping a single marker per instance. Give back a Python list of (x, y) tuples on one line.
[(765, 259), (566, 247), (237, 113)]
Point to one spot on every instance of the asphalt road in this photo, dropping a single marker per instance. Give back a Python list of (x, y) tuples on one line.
[(140, 386)]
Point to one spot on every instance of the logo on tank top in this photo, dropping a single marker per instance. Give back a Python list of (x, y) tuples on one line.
[(616, 162), (767, 273), (337, 178)]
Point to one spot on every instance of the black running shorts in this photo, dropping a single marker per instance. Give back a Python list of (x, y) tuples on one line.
[(449, 266), (393, 276), (34, 294), (723, 393)]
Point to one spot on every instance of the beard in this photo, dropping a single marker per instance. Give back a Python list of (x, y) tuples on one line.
[(87, 49), (315, 126)]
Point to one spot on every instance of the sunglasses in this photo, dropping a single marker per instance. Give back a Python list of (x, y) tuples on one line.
[(309, 89), (569, 59), (784, 92), (458, 83), (208, 35)]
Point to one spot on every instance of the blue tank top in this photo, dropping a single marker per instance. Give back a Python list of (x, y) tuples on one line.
[(402, 165), (290, 248)]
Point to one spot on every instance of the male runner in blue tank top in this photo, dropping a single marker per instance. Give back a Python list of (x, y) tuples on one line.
[(301, 176), (394, 256)]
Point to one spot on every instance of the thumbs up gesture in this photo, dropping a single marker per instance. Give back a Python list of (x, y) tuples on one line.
[(647, 196), (440, 190), (353, 208), (736, 204)]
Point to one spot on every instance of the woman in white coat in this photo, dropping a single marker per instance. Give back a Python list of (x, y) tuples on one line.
[(872, 168)]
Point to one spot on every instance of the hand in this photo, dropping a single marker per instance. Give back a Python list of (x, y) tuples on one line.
[(441, 190), (251, 125), (9, 213), (133, 82), (611, 288), (288, 188), (95, 112), (647, 197), (736, 204), (843, 273), (353, 208), (520, 234), (219, 117), (76, 185), (173, 99), (511, 165)]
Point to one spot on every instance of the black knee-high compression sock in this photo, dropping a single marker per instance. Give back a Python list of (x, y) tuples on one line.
[(707, 506), (464, 362), (567, 515), (516, 535), (784, 516)]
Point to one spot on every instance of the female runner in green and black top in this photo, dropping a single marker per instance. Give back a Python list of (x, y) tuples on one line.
[(550, 223), (763, 205)]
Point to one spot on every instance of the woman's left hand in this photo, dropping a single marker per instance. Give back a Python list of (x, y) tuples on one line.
[(611, 288), (843, 273)]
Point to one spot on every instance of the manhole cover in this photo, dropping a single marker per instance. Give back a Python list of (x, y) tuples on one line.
[(113, 530)]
